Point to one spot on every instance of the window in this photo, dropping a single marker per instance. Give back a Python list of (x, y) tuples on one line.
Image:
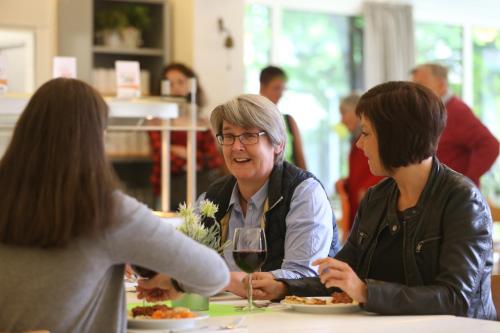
[(322, 53), (442, 44), (257, 43), (316, 51), (486, 76), (486, 92)]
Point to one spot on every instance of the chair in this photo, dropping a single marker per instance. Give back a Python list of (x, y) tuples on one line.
[(495, 292), (495, 211), (346, 209)]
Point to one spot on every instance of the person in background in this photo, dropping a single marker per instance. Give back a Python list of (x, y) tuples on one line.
[(262, 190), (421, 243), (466, 146), (208, 158), (359, 177), (272, 85), (66, 230)]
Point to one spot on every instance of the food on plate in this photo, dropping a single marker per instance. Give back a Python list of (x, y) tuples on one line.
[(337, 298), (341, 297), (160, 311)]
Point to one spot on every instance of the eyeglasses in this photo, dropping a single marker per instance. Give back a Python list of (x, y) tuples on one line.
[(245, 138)]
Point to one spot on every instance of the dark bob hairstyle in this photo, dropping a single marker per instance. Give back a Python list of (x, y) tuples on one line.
[(408, 119)]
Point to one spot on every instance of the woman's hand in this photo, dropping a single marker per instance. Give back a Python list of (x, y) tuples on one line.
[(336, 273), (266, 287), (158, 288)]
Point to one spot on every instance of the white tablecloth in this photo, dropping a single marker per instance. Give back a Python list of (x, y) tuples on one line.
[(281, 320)]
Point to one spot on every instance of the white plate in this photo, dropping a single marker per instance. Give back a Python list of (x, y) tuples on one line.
[(166, 323), (328, 308)]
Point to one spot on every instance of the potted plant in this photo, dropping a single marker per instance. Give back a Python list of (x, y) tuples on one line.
[(139, 21), (122, 26), (109, 24), (209, 236)]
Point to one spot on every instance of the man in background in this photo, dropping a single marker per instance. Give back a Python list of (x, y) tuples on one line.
[(466, 145), (272, 85)]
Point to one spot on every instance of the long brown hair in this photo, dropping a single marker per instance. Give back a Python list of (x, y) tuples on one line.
[(56, 181)]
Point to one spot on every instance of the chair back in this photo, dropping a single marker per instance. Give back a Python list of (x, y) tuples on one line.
[(495, 211), (495, 292), (346, 209)]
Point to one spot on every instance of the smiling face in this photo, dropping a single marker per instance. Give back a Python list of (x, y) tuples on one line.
[(368, 142), (179, 83), (249, 163)]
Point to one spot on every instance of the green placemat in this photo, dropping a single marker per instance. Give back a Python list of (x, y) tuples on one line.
[(215, 310), (219, 310), (134, 304)]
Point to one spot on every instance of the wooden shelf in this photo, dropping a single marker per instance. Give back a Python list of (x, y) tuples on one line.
[(147, 52)]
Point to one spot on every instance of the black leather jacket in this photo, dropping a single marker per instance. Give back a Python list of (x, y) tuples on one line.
[(447, 253)]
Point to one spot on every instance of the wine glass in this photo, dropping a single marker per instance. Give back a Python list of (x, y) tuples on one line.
[(249, 253)]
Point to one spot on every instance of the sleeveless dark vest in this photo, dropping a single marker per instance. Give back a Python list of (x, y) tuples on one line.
[(283, 180)]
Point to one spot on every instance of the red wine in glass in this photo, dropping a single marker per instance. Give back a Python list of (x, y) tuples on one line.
[(143, 272), (249, 261), (249, 253)]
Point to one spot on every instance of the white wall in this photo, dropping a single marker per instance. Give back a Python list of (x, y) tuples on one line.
[(220, 69), (182, 15), (39, 16), (17, 46)]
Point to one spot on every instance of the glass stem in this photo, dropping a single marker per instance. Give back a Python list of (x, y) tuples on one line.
[(250, 292)]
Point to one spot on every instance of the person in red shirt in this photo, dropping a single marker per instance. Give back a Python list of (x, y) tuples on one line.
[(208, 159), (466, 145), (359, 178)]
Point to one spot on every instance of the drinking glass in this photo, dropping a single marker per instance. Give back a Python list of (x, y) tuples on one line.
[(249, 253)]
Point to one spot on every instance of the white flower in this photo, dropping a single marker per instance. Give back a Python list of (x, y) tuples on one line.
[(208, 208), (194, 228)]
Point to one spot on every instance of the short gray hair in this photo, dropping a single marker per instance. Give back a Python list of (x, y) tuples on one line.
[(249, 111), (436, 70), (351, 99)]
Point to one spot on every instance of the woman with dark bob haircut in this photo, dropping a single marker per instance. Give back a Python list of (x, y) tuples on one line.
[(421, 241), (66, 232)]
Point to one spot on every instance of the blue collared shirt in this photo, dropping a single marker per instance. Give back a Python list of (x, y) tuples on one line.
[(309, 228)]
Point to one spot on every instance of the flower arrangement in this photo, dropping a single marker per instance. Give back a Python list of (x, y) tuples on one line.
[(193, 228)]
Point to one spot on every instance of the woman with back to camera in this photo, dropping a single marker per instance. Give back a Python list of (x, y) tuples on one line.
[(422, 239), (208, 158), (66, 231)]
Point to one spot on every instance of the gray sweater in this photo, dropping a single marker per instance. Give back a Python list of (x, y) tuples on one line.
[(80, 288)]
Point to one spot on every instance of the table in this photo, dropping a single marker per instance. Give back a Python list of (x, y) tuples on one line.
[(279, 320)]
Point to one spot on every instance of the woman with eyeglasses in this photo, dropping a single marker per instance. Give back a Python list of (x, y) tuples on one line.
[(264, 191)]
